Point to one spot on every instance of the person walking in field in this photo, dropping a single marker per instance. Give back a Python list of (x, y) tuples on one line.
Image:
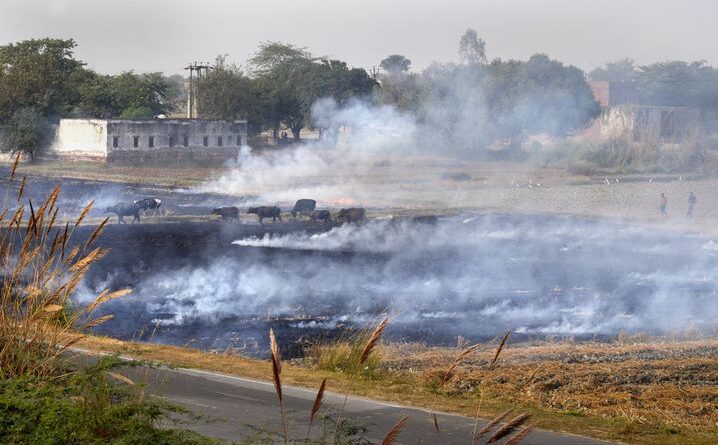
[(664, 204), (692, 200)]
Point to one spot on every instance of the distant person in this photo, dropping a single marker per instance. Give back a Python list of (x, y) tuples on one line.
[(664, 204), (692, 200)]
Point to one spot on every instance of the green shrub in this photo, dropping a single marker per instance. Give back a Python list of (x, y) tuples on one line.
[(83, 407), (342, 355)]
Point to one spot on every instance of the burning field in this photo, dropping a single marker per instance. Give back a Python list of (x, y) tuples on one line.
[(220, 286)]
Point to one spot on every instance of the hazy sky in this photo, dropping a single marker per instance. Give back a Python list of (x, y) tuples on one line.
[(163, 35)]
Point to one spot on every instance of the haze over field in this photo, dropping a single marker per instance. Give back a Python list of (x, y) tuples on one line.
[(164, 35)]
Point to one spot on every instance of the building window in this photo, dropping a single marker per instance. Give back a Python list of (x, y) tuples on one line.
[(185, 141), (136, 141), (239, 141), (205, 141), (152, 141), (172, 141), (219, 141), (115, 141)]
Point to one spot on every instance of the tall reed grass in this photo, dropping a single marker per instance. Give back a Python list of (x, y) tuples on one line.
[(41, 265)]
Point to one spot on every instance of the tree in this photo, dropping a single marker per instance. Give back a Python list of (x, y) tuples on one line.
[(472, 49), (618, 71), (290, 80), (395, 64), (225, 92), (280, 70), (36, 74), (679, 84), (26, 131), (397, 85), (470, 107), (127, 95)]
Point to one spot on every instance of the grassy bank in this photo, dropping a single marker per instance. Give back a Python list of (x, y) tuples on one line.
[(642, 392)]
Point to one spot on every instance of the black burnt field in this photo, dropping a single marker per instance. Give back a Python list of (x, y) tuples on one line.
[(222, 285)]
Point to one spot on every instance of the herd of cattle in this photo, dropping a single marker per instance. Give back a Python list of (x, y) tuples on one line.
[(303, 207)]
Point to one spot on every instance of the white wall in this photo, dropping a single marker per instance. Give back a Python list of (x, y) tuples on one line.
[(81, 137)]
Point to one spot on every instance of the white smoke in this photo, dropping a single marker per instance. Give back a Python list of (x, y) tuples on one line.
[(361, 140), (471, 277)]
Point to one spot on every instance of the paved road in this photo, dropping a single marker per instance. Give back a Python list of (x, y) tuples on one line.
[(234, 407)]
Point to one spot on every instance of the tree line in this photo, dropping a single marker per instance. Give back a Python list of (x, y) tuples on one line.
[(468, 106), (41, 81)]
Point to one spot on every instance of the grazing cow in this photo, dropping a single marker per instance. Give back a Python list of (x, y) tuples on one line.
[(304, 207), (125, 209), (266, 212), (148, 203), (226, 213), (352, 215), (321, 215)]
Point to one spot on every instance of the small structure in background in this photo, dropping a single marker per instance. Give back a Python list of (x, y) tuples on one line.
[(138, 141), (625, 119), (612, 94)]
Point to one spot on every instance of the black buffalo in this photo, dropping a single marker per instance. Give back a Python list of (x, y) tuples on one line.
[(226, 212), (125, 209), (266, 212), (351, 215), (304, 207), (148, 203), (321, 215)]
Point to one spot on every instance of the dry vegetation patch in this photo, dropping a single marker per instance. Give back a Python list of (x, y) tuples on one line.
[(671, 384)]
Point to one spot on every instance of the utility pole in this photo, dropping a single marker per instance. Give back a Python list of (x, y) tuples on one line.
[(200, 69)]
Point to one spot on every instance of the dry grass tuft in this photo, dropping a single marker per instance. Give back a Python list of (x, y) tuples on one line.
[(500, 348), (492, 423), (318, 401), (277, 378), (510, 426), (373, 339), (393, 433), (521, 435), (316, 406)]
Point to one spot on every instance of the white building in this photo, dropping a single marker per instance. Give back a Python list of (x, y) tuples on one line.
[(119, 140)]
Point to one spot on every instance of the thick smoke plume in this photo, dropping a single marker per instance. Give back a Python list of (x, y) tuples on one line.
[(363, 140)]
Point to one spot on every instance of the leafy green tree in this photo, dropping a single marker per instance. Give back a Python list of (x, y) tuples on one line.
[(148, 91), (36, 73), (398, 87), (679, 84), (226, 93), (281, 71), (128, 95), (290, 80), (395, 63), (95, 96), (27, 131)]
